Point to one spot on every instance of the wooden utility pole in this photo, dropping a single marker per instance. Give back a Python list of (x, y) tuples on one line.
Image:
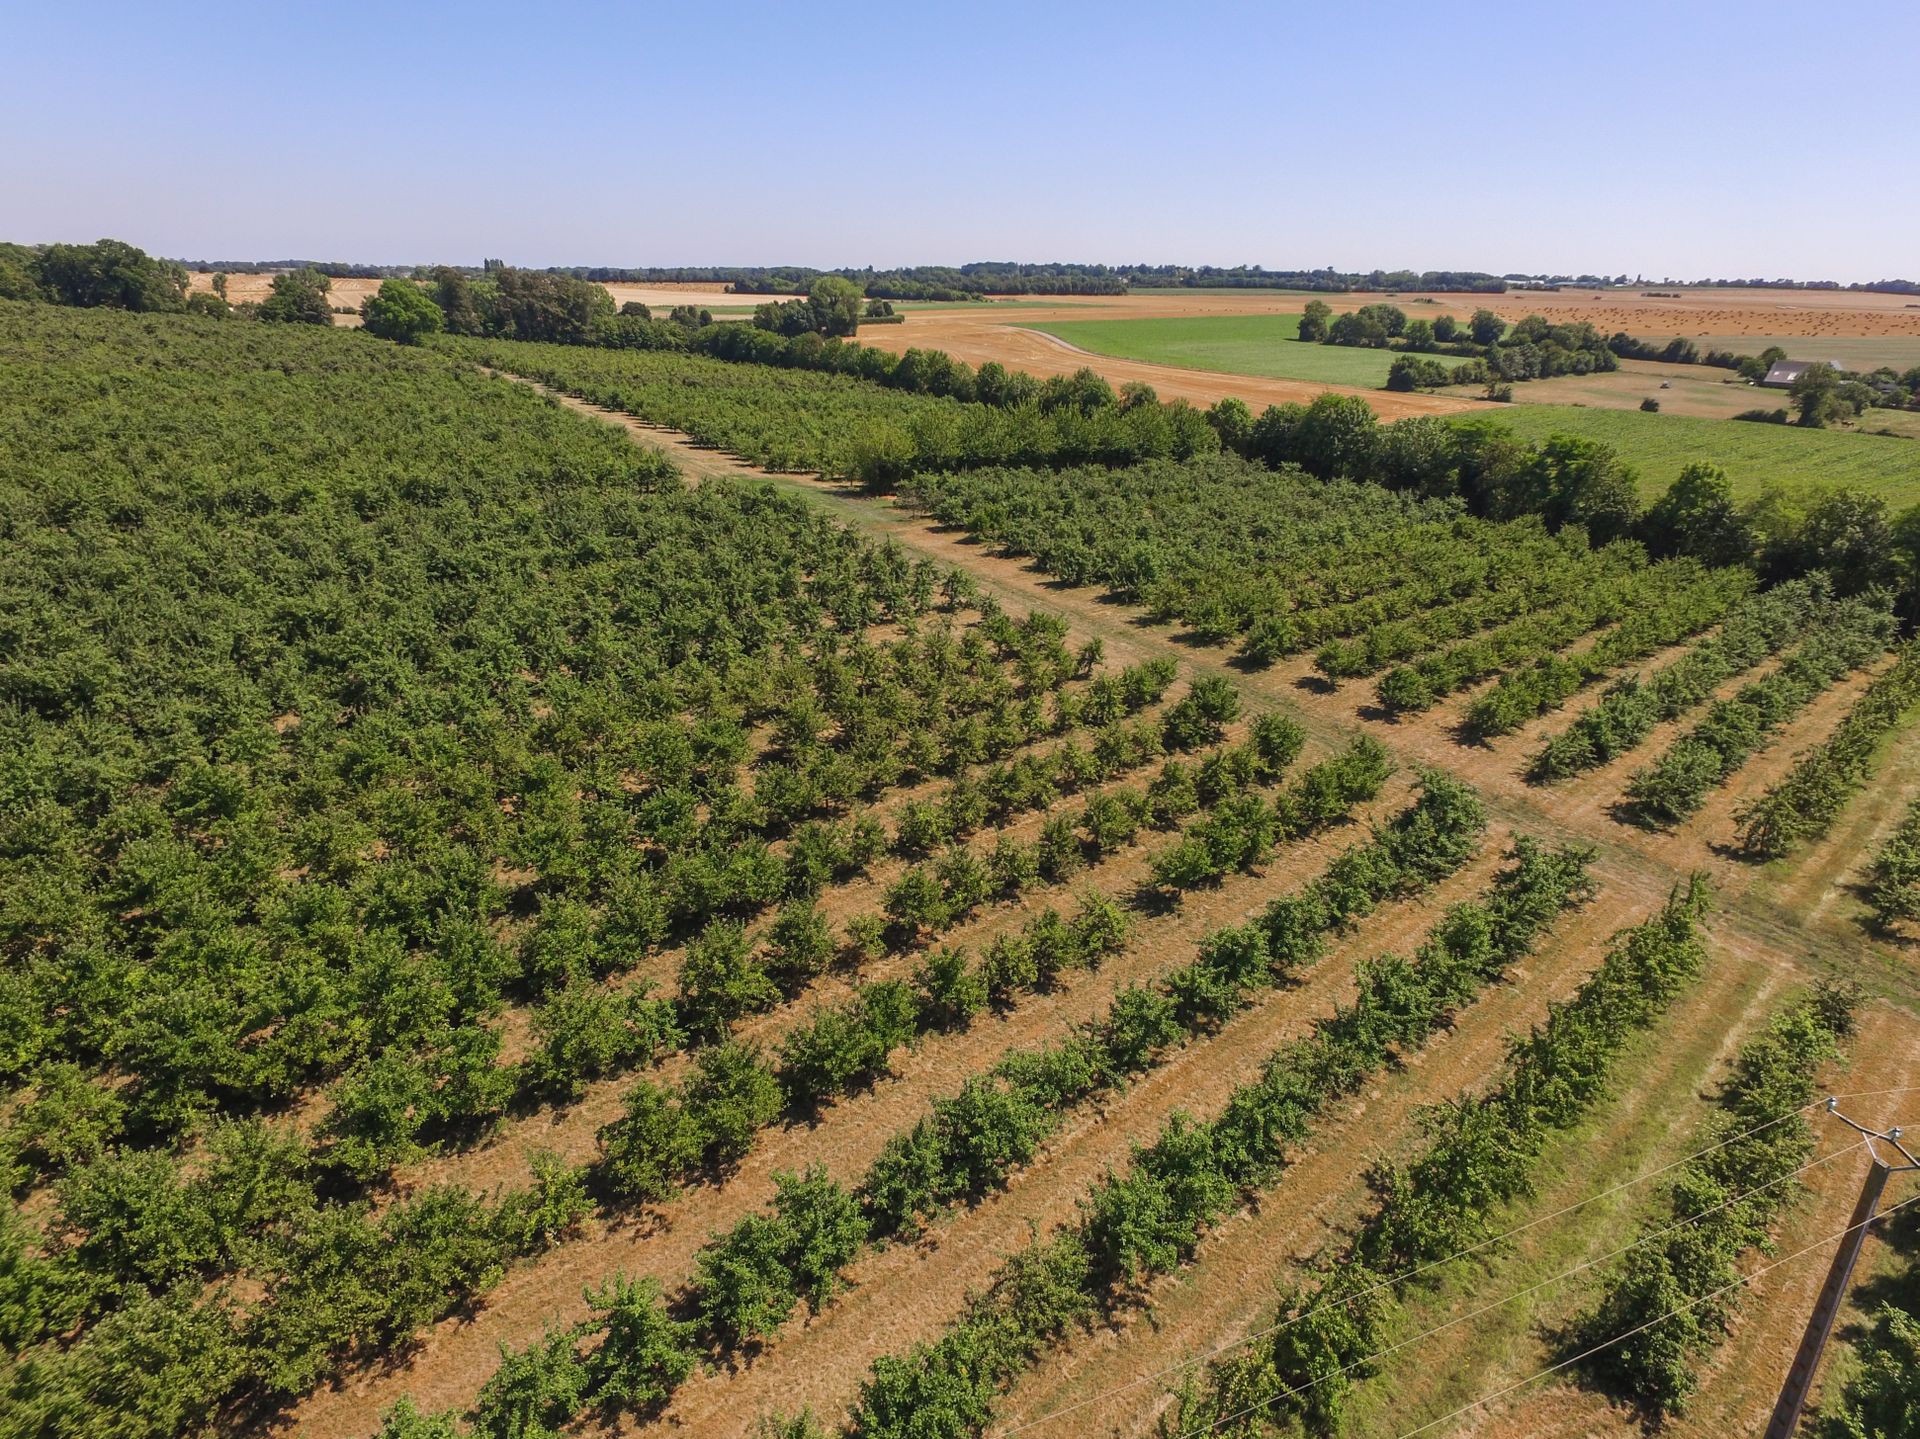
[(1833, 1293)]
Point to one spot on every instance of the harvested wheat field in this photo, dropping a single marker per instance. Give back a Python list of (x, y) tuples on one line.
[(252, 289)]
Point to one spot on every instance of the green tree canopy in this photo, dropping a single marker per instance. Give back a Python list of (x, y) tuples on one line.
[(1816, 394), (401, 311), (1697, 516), (1571, 480), (1851, 536), (835, 303), (1337, 437), (300, 297), (111, 273), (18, 270), (540, 305)]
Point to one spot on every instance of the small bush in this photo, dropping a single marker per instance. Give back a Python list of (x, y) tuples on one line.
[(644, 1354)]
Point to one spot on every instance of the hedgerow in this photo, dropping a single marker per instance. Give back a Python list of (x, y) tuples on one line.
[(1145, 1221), (1209, 542), (1631, 707), (665, 1137), (748, 1281), (1548, 585), (1371, 576), (1675, 590), (1893, 876), (1553, 679), (855, 422)]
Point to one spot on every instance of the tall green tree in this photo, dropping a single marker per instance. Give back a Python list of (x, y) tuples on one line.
[(401, 311), (1337, 437), (300, 297), (835, 303), (1851, 536), (1486, 327), (459, 301), (1697, 516), (1816, 395), (540, 305), (1573, 480), (111, 273)]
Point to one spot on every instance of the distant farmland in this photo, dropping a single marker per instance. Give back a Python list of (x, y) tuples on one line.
[(1755, 455)]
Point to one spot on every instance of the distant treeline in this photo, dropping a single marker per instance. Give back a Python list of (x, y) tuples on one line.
[(1889, 287), (951, 282), (933, 282), (1008, 277), (1257, 277), (332, 269)]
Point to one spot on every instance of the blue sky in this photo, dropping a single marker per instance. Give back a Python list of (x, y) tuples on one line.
[(1681, 139)]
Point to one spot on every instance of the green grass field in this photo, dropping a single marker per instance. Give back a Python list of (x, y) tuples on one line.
[(1264, 345), (1659, 446), (1754, 456)]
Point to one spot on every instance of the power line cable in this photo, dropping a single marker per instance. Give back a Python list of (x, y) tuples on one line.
[(1404, 1275), (1675, 1312), (1534, 1288)]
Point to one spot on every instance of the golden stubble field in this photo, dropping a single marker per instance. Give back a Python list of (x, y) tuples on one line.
[(242, 289)]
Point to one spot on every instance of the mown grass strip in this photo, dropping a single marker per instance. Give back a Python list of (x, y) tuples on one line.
[(1479, 1155)]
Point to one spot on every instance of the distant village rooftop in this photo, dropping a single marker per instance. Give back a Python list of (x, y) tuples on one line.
[(1784, 372)]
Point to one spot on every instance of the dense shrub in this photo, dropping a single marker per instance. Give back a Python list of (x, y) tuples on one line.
[(643, 1354), (1894, 875)]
